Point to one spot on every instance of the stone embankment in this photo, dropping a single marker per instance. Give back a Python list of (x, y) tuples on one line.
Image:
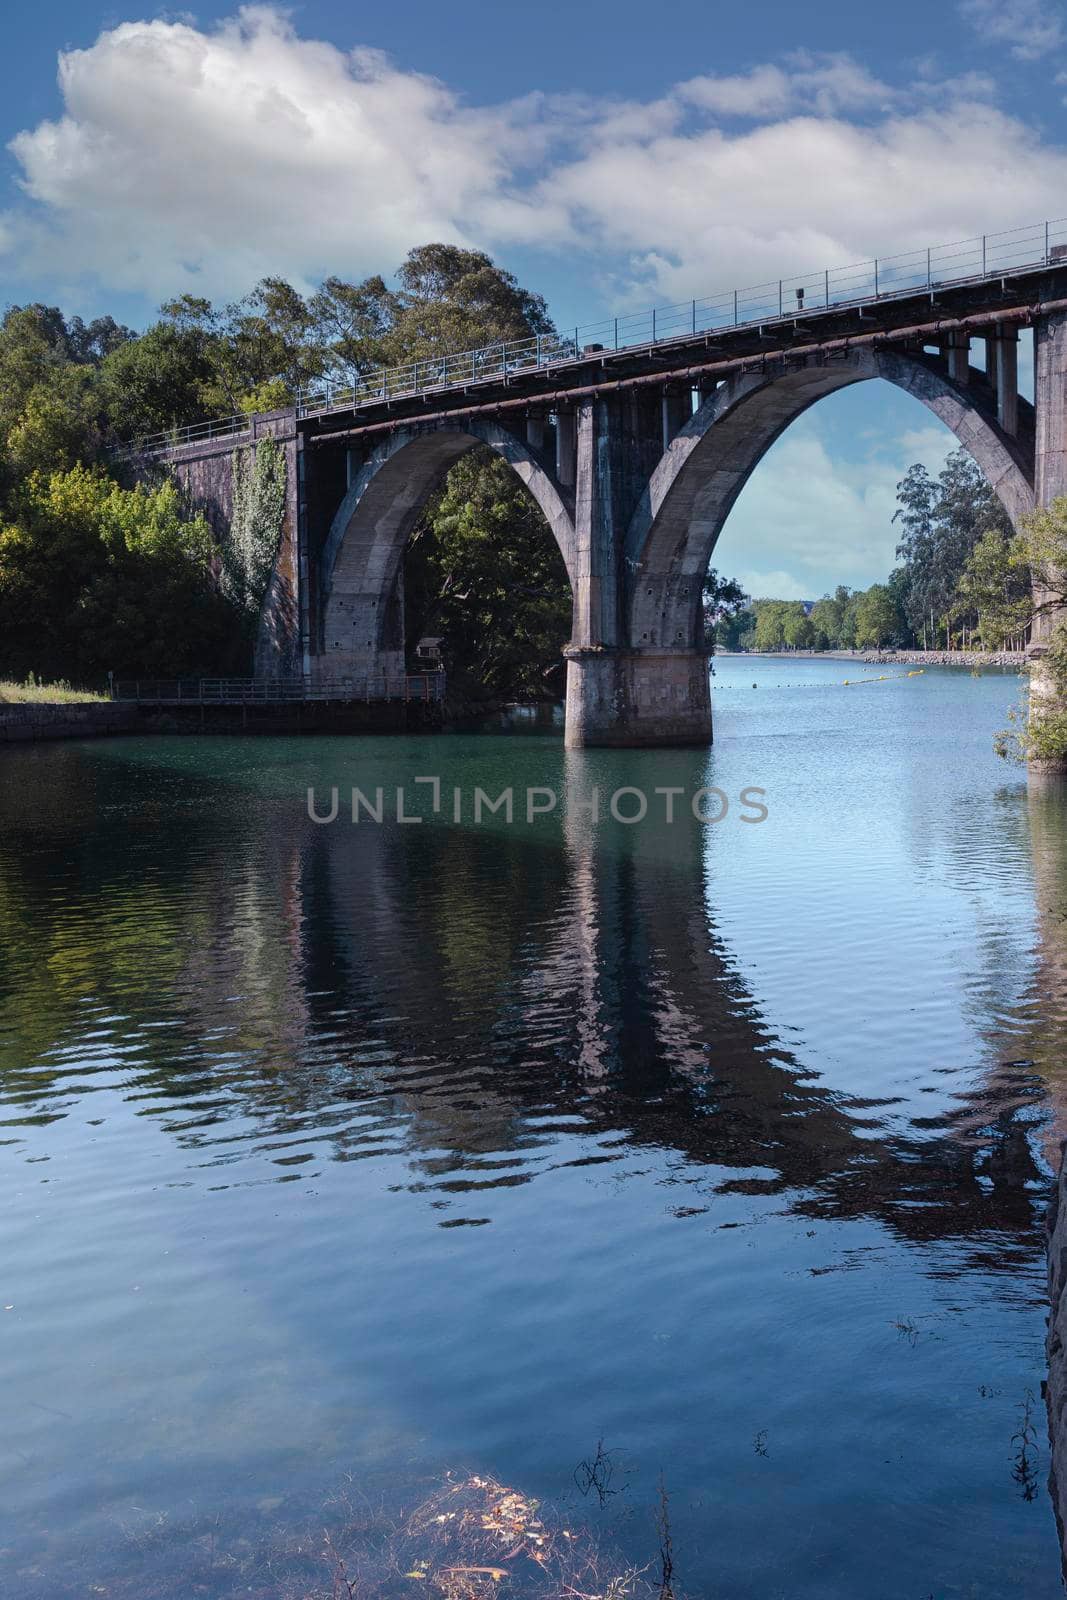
[(30, 720), (940, 658), (909, 658)]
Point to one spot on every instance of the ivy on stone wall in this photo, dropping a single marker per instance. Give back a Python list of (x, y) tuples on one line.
[(256, 525)]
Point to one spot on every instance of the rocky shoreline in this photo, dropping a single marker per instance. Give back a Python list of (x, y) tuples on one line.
[(945, 658), (878, 658)]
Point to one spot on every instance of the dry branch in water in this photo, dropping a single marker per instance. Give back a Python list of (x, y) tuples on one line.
[(473, 1538)]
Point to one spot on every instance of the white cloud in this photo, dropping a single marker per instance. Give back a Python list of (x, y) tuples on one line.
[(197, 158), (1030, 27), (698, 211), (826, 84), (185, 156)]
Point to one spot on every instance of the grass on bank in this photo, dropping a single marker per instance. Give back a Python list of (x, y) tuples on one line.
[(45, 694)]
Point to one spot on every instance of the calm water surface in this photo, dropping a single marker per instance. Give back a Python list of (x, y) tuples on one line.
[(391, 1150)]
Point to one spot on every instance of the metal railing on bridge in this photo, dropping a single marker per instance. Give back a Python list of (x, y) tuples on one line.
[(863, 283), (410, 686)]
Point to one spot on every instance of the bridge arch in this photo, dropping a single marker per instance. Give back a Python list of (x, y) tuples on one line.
[(692, 490), (361, 631)]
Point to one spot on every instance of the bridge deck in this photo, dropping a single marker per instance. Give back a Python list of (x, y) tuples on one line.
[(885, 294)]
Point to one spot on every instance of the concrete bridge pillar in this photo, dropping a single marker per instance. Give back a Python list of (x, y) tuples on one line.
[(677, 409), (1004, 349), (637, 697), (1050, 482), (566, 444), (958, 353), (619, 694), (1050, 402), (1050, 446)]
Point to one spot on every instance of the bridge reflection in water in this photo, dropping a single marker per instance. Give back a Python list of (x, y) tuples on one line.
[(670, 1221)]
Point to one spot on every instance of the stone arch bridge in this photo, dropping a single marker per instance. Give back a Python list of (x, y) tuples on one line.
[(635, 457)]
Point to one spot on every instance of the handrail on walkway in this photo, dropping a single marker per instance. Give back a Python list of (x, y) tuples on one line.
[(885, 278), (409, 686)]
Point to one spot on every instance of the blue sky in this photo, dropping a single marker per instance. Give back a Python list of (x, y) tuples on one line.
[(611, 155)]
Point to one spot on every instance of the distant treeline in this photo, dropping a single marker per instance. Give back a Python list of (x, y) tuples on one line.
[(960, 581)]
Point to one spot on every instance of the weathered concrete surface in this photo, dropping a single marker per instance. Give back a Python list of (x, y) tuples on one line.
[(19, 723), (205, 472), (640, 698)]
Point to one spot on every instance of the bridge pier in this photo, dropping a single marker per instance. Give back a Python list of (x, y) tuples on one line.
[(626, 697), (1050, 482), (620, 690)]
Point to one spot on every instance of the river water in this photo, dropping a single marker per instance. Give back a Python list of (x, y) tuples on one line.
[(366, 1154)]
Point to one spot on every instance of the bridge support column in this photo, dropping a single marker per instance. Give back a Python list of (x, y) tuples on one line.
[(677, 409), (566, 440), (1050, 483), (618, 694), (637, 697), (1006, 377), (959, 357)]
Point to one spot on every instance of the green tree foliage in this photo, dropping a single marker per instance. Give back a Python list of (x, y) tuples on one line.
[(797, 628), (736, 631), (942, 520), (49, 405), (258, 352), (877, 618), (160, 381), (353, 320), (94, 576), (782, 624), (68, 390), (833, 620), (847, 620), (452, 299), (994, 591), (485, 574), (725, 603)]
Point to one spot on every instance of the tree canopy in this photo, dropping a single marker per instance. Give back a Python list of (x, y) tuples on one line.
[(98, 573), (942, 520)]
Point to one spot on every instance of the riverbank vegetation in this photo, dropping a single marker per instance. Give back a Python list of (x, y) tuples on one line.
[(30, 692), (100, 572)]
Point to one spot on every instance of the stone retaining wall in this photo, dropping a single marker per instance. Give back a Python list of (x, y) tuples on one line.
[(22, 722)]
